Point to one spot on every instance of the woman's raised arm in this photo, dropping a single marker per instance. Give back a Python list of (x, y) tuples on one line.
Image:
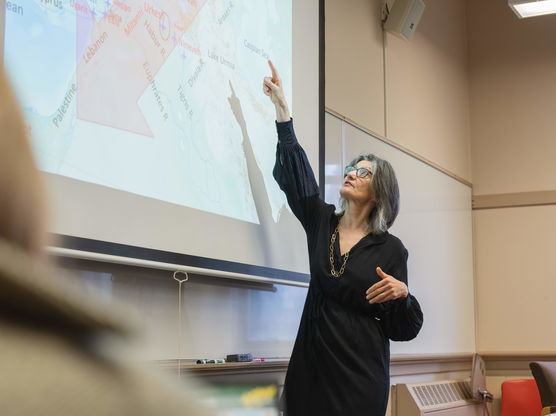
[(292, 170)]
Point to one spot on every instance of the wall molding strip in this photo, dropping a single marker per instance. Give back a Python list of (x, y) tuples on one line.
[(514, 363), (514, 200), (398, 146)]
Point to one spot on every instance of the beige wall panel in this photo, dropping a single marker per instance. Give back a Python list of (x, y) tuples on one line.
[(427, 88), (516, 278), (513, 99), (354, 64)]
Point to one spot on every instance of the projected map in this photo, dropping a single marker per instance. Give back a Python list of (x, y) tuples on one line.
[(161, 98)]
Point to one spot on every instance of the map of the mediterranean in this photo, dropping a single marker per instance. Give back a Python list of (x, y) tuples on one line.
[(161, 98)]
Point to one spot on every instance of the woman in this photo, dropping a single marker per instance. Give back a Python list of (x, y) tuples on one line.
[(340, 360)]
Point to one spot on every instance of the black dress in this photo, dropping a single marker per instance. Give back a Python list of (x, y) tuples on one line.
[(340, 361)]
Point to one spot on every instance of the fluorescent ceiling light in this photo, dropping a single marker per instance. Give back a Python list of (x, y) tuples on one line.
[(530, 8)]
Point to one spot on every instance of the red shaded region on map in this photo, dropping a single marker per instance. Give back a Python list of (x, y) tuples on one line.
[(120, 51)]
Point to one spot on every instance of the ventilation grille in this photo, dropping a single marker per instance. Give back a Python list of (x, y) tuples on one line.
[(441, 393)]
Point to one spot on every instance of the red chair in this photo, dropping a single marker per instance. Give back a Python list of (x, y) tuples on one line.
[(520, 398)]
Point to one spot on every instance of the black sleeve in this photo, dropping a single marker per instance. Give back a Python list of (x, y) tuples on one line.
[(403, 318), (295, 177)]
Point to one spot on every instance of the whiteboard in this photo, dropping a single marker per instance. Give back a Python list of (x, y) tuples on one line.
[(435, 225)]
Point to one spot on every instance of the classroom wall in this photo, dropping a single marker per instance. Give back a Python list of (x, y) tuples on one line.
[(354, 65), (512, 90), (482, 106), (512, 67), (513, 99), (415, 92)]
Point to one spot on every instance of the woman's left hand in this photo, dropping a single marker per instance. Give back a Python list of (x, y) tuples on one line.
[(387, 289)]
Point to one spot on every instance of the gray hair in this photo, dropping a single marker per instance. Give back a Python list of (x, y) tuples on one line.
[(384, 186)]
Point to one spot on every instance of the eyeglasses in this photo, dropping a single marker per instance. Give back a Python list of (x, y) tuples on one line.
[(360, 172)]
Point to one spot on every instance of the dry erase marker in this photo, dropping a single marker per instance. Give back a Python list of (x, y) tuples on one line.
[(258, 360)]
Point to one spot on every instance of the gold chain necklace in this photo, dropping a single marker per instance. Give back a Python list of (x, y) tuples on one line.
[(333, 271)]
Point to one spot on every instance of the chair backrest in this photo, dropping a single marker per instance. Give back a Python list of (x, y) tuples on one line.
[(520, 398), (545, 376)]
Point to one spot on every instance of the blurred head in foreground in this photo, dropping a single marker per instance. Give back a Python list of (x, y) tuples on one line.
[(56, 350), (22, 200)]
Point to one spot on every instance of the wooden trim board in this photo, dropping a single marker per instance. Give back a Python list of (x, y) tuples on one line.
[(514, 200)]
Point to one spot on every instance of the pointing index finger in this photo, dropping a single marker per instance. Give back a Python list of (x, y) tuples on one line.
[(275, 75)]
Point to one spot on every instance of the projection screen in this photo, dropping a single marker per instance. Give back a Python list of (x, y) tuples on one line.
[(150, 125)]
